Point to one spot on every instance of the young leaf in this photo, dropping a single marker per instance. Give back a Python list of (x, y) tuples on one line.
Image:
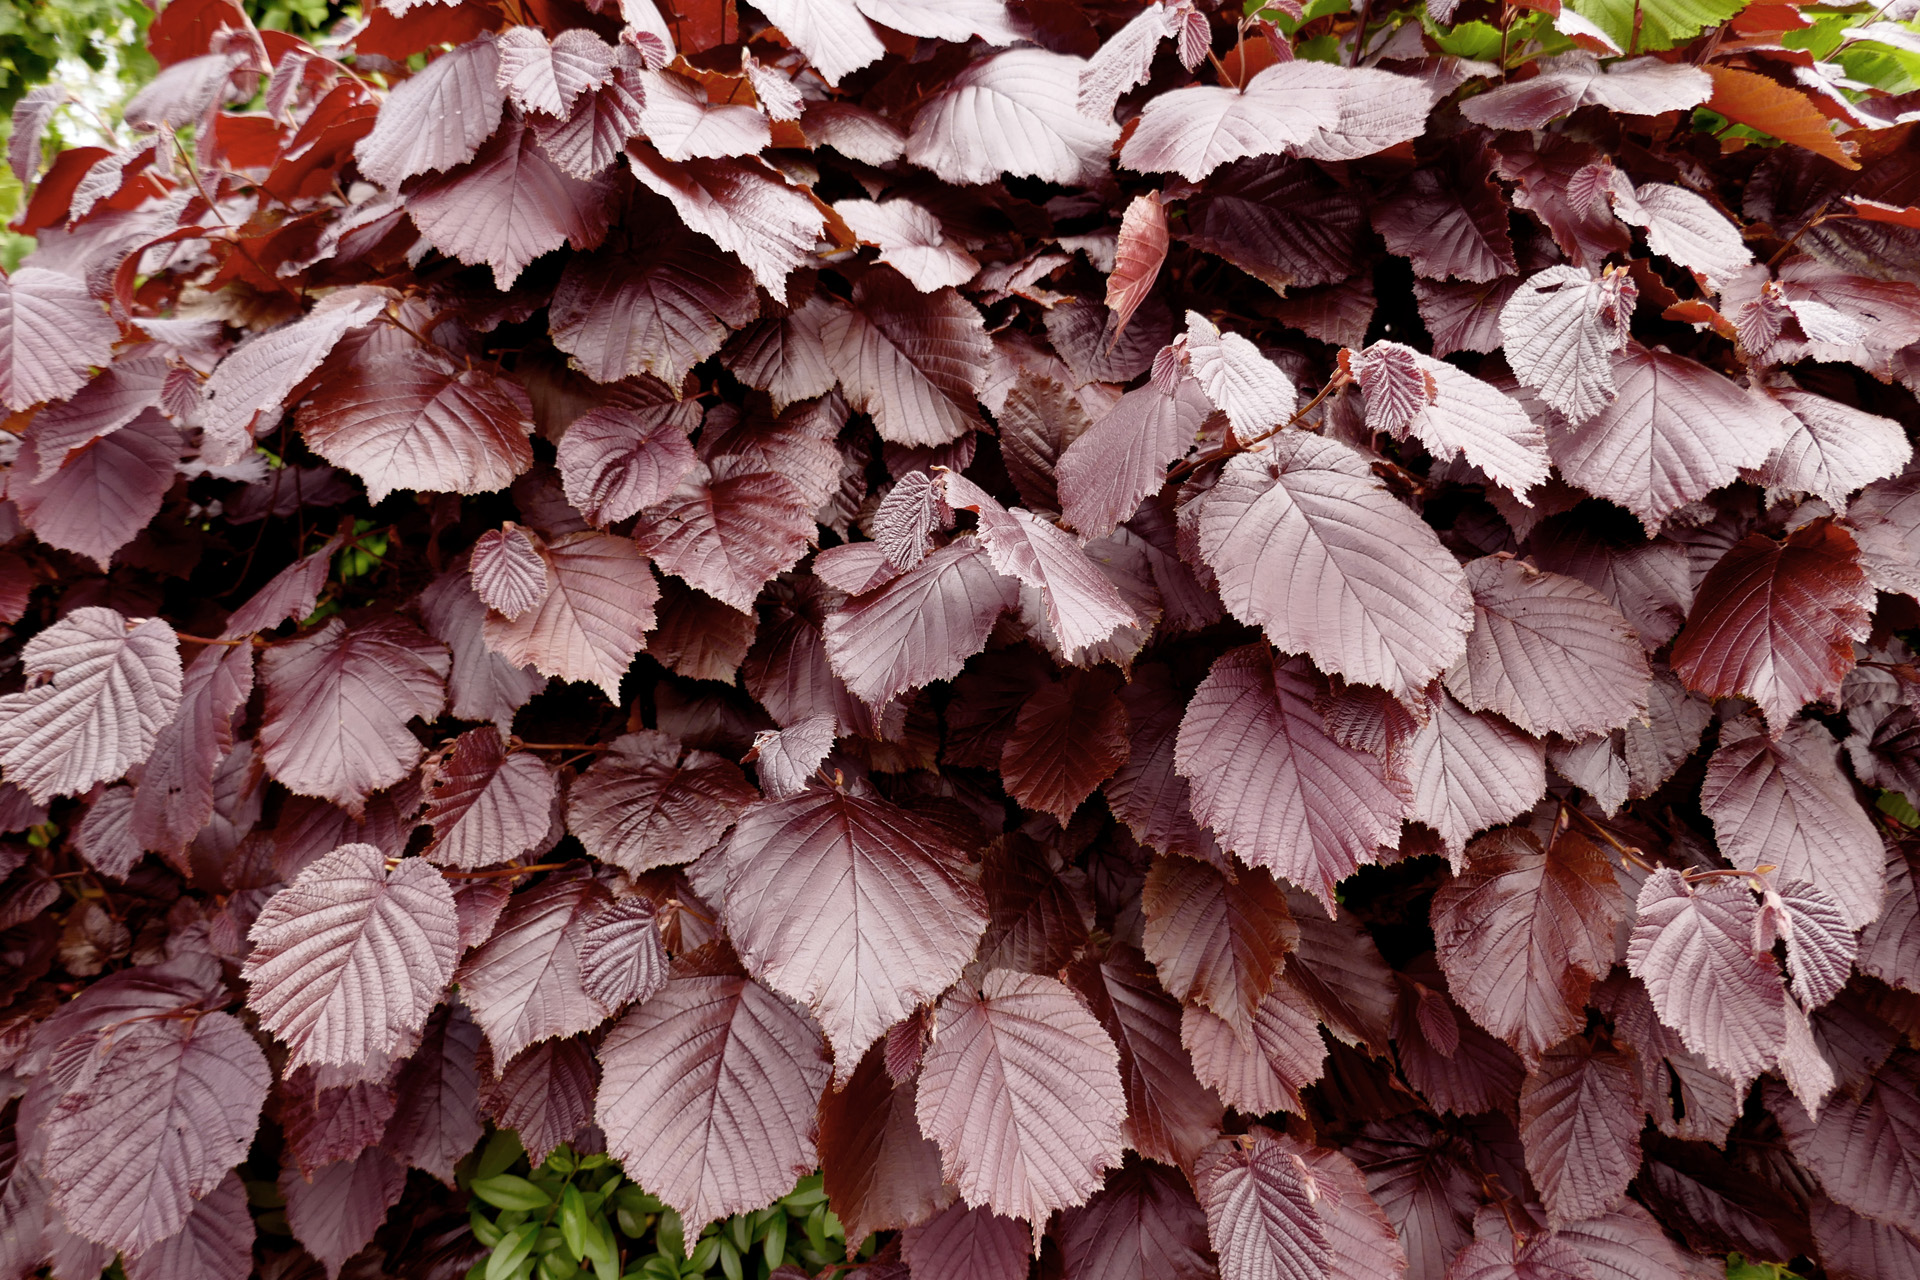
[(508, 574), (915, 361), (1561, 328), (545, 1095), (1260, 1211), (1136, 261), (350, 958), (525, 984)]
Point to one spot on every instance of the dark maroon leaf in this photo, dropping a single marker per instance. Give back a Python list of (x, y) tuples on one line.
[(350, 958), (1143, 1225), (1776, 621), (1280, 792), (103, 494), (1260, 1212), (659, 306), (482, 685), (743, 1065), (291, 595), (621, 958), (438, 1118), (594, 619), (919, 627), (247, 392), (1450, 220), (335, 1213), (728, 529), (879, 1172), (647, 802), (615, 461), (1580, 1117), (1068, 738), (337, 706), (961, 1242), (1216, 942), (1146, 792), (1523, 932), (216, 1242), (1862, 1149)]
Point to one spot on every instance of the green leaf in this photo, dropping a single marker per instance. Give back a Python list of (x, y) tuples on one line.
[(776, 1243), (704, 1253), (485, 1230), (513, 1250), (1663, 23), (1477, 40), (506, 1191), (573, 1222), (503, 1148), (1896, 806), (730, 1260), (671, 1235)]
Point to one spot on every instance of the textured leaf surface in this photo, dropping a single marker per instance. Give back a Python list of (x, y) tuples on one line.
[(876, 1166), (594, 618), (1216, 942), (350, 958), (709, 1093), (1015, 112), (1694, 948), (1776, 621), (855, 908), (1260, 1214), (1560, 329), (164, 1109), (914, 361), (545, 1095), (1580, 1117), (102, 690), (487, 806), (1523, 933), (1266, 777), (1123, 457), (1549, 653), (920, 627), (1021, 1091), (436, 119), (525, 985), (1143, 1225), (727, 530), (337, 706), (51, 330), (1469, 772), (648, 803)]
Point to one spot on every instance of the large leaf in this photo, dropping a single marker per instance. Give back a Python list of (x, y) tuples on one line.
[(335, 1213), (1260, 1212), (857, 909), (51, 329), (1549, 653), (100, 689), (1524, 932), (967, 1244), (1265, 1069), (337, 706), (1833, 449), (508, 205), (1776, 621), (438, 1120), (1469, 772), (1171, 1116), (216, 1243), (1580, 1118), (1021, 1091), (162, 1110), (1307, 542), (1560, 329), (709, 1093), (487, 806), (1107, 470), (418, 420), (1639, 86), (728, 529), (525, 985), (594, 618), (1785, 803), (658, 306), (1283, 222), (1463, 417), (1863, 1148), (1675, 432), (920, 627), (1016, 113), (1143, 1225), (436, 119), (835, 36), (915, 361), (1279, 792), (350, 958), (647, 802), (1694, 946)]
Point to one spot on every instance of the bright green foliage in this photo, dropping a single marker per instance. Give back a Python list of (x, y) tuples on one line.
[(36, 34), (1896, 806), (1663, 23), (1738, 1268), (576, 1213)]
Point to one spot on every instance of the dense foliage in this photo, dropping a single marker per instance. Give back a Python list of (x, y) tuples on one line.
[(1183, 641)]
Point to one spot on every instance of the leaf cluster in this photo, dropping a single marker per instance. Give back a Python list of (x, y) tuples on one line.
[(1159, 640)]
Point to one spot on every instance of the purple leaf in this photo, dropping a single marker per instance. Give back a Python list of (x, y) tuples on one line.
[(350, 958), (1014, 112), (459, 87), (1260, 1213), (51, 329), (487, 806), (615, 461), (647, 803), (545, 1095), (525, 985), (594, 618)]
